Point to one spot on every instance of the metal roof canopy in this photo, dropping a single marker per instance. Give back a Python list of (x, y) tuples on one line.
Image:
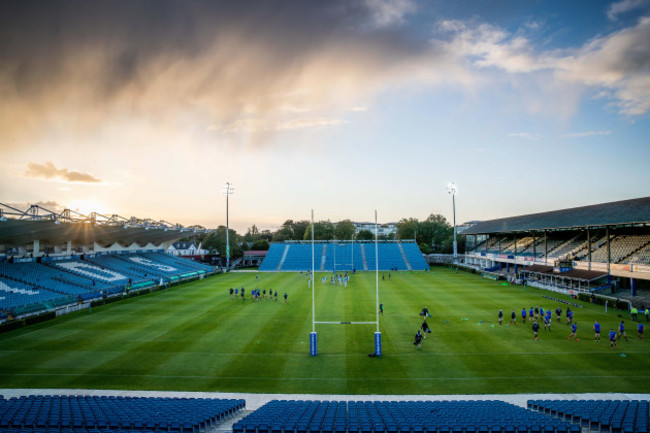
[(618, 213), (19, 227)]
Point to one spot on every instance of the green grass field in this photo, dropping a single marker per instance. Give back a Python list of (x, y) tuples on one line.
[(194, 338)]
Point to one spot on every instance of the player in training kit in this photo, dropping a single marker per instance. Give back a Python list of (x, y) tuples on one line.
[(418, 339), (558, 313), (536, 312), (596, 331), (574, 330), (500, 317), (523, 315), (621, 330), (530, 314), (381, 308), (231, 293), (425, 328), (513, 318), (535, 329), (286, 298), (569, 314), (547, 321), (612, 338), (640, 329)]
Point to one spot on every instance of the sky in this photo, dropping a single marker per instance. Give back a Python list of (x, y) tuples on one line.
[(146, 108)]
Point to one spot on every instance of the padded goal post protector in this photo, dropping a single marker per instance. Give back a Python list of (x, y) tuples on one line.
[(313, 343), (377, 343)]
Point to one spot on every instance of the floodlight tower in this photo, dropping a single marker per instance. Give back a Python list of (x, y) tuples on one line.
[(227, 190), (452, 189)]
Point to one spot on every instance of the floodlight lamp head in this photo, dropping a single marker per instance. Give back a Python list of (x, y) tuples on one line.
[(57, 222), (228, 189), (452, 188)]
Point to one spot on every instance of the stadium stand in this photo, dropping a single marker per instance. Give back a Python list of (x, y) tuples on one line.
[(611, 240), (624, 416), (77, 414), (398, 416), (341, 256), (36, 285)]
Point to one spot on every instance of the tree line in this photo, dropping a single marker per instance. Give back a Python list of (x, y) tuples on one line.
[(433, 235)]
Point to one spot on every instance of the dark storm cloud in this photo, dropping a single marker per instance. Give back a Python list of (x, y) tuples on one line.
[(221, 59)]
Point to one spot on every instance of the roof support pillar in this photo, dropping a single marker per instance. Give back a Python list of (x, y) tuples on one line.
[(589, 248), (545, 248), (37, 247), (609, 255)]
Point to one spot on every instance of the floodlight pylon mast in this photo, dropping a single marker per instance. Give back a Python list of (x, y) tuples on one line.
[(451, 187), (228, 190)]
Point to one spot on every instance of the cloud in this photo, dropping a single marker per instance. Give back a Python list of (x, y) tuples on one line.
[(585, 134), (390, 12), (526, 135), (623, 6), (258, 125), (184, 66), (49, 171), (617, 64)]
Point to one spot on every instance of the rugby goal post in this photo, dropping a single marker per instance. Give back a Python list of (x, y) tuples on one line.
[(313, 336)]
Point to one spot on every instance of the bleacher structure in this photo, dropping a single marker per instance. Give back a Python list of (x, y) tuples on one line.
[(335, 256), (609, 243), (51, 261), (34, 285), (98, 414), (119, 414)]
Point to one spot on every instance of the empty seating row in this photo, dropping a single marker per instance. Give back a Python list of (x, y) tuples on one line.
[(77, 413), (280, 416), (615, 416), (33, 286), (342, 257)]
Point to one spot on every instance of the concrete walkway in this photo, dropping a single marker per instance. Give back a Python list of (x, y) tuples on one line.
[(255, 401)]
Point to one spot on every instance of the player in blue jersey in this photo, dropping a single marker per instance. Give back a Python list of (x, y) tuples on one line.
[(621, 330), (569, 316), (574, 330), (523, 315), (596, 331), (612, 338), (640, 329), (530, 314), (547, 321)]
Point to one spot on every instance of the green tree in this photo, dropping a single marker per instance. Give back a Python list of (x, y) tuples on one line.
[(365, 235), (252, 234), (260, 244), (323, 231), (217, 241), (407, 228), (344, 230)]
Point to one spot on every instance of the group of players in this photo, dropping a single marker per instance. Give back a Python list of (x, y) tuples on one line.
[(538, 312), (256, 294), (419, 336)]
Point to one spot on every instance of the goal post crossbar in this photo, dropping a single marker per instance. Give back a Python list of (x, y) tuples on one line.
[(345, 323)]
